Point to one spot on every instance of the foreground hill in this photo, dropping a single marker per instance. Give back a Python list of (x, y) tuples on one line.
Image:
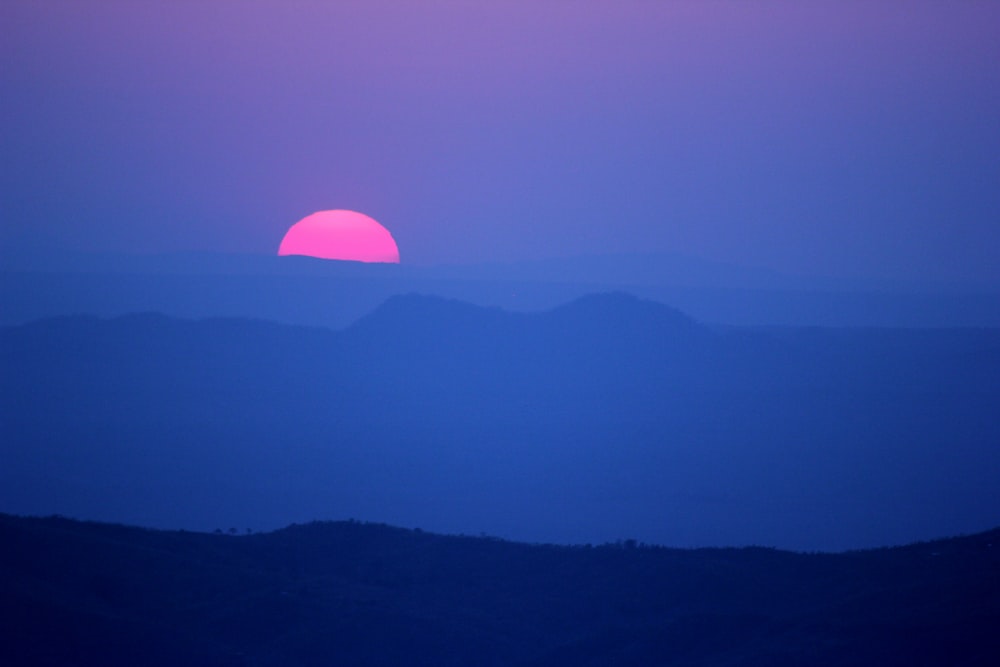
[(608, 418), (362, 594)]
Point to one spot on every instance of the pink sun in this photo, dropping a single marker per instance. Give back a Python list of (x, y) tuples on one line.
[(340, 234)]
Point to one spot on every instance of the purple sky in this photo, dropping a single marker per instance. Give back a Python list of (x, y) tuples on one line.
[(847, 138)]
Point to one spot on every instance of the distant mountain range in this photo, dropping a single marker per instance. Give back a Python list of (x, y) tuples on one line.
[(366, 595), (307, 291), (610, 417)]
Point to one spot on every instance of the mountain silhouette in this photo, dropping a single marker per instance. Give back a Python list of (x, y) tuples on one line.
[(608, 418), (313, 292)]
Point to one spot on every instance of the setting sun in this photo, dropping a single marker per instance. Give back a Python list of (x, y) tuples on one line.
[(340, 234)]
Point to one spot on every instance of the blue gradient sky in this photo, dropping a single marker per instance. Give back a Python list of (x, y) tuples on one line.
[(837, 138)]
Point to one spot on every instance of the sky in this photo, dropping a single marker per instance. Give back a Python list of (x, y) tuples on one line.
[(846, 138)]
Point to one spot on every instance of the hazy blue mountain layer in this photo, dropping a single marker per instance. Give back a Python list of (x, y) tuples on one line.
[(607, 418)]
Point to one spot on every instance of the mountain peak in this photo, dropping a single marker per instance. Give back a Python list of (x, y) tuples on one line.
[(624, 309), (421, 311)]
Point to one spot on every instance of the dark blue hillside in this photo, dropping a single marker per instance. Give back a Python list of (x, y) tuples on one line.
[(367, 595)]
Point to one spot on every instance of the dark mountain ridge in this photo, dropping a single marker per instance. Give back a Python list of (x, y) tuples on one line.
[(366, 594), (611, 417), (573, 318)]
